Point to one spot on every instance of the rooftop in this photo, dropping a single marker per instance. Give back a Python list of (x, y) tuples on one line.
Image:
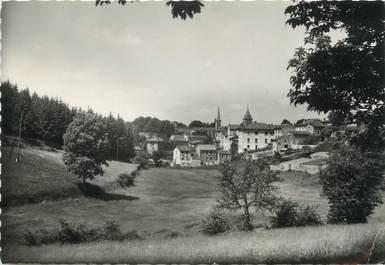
[(184, 148), (209, 147), (154, 140)]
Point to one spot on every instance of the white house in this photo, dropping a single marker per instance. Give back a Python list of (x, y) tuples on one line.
[(183, 156)]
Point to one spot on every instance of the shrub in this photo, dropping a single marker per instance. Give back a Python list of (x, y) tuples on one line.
[(308, 216), (353, 182), (290, 213), (215, 224), (285, 214), (127, 180), (72, 234), (143, 163)]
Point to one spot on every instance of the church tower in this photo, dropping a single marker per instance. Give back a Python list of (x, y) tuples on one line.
[(217, 121), (247, 119)]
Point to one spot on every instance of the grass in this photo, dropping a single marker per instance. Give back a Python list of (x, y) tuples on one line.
[(39, 176), (324, 244), (162, 204)]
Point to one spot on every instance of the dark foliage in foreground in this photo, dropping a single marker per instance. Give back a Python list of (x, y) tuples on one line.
[(345, 76), (215, 224), (353, 182), (290, 213), (73, 234), (182, 9)]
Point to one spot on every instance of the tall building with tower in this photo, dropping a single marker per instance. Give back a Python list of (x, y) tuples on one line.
[(217, 121)]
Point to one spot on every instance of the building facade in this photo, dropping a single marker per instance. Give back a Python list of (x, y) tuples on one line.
[(207, 153), (153, 144)]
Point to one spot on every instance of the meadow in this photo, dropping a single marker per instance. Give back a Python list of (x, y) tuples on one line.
[(166, 207)]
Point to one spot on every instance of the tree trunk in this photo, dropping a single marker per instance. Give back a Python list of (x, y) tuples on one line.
[(246, 219)]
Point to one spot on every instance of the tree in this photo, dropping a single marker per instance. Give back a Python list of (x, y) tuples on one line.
[(249, 188), (353, 183), (197, 123), (285, 122), (345, 75), (336, 118), (9, 117), (182, 9), (85, 146)]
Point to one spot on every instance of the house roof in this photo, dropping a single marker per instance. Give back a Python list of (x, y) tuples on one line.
[(234, 126), (197, 138), (208, 147), (258, 126), (154, 140), (178, 137), (184, 148)]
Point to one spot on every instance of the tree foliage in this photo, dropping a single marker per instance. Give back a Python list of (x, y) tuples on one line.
[(249, 187), (181, 9), (286, 122), (353, 182), (42, 117), (85, 146), (336, 118), (345, 75)]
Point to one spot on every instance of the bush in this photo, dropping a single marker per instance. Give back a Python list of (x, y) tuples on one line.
[(215, 224), (289, 214), (127, 180), (353, 182), (73, 234), (285, 215), (308, 216), (143, 163)]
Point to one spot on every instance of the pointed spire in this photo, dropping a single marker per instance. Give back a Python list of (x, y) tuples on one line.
[(247, 118), (218, 115)]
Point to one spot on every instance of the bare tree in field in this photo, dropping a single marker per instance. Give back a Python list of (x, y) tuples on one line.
[(249, 187)]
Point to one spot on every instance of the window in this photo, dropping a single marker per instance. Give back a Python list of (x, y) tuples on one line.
[(248, 140), (256, 147), (256, 140), (248, 146), (272, 133), (265, 133), (265, 141)]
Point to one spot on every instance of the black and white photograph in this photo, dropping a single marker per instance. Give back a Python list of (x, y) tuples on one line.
[(193, 132)]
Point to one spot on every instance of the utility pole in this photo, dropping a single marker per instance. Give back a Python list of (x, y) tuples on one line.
[(18, 142)]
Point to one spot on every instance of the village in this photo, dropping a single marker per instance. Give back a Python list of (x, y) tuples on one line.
[(250, 140)]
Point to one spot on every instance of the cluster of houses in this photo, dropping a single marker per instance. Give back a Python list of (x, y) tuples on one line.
[(214, 145)]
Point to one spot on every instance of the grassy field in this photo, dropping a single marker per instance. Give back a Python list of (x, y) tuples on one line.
[(325, 244), (164, 202)]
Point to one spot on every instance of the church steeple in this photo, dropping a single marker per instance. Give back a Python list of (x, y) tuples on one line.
[(247, 119), (217, 121)]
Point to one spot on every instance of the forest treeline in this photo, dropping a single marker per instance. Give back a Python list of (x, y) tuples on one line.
[(47, 119)]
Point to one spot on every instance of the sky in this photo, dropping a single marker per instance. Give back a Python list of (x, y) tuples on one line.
[(136, 60)]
